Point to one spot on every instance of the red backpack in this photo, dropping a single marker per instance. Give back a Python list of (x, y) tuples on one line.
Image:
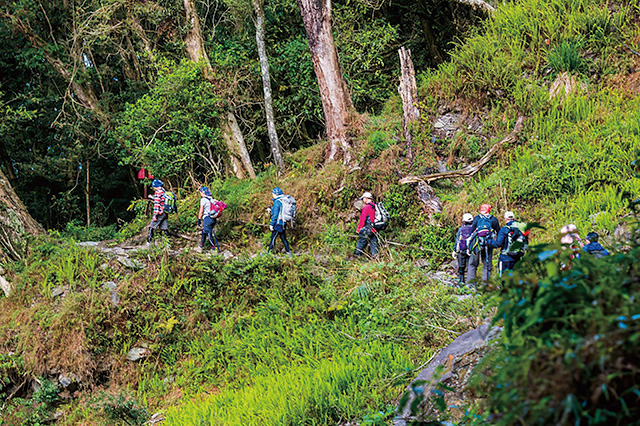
[(216, 208)]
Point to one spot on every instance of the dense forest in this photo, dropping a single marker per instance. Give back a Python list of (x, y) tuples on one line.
[(433, 106)]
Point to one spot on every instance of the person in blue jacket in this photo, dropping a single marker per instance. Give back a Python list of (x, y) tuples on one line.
[(593, 247), (277, 225), (505, 262)]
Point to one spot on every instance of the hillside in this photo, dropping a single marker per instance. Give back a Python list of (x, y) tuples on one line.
[(118, 332)]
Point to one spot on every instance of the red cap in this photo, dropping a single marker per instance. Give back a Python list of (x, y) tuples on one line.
[(485, 208)]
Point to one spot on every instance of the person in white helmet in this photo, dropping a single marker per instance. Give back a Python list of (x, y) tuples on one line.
[(461, 246)]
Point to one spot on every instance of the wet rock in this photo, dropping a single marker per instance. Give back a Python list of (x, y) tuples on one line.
[(458, 360)]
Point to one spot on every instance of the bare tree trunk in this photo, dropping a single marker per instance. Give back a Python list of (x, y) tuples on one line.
[(232, 133), (336, 102), (15, 223), (88, 204), (409, 93), (276, 151)]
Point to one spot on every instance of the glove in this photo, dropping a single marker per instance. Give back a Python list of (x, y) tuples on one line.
[(199, 223), (271, 227), (454, 254)]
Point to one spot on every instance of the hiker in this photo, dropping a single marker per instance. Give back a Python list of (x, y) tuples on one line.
[(460, 248), (278, 223), (512, 243), (484, 226), (207, 215), (593, 247), (160, 218), (366, 231)]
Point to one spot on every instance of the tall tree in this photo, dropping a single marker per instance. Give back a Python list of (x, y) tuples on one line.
[(337, 106), (239, 156), (276, 151)]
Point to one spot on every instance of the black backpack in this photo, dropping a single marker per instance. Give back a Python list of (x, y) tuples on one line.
[(381, 217), (517, 242)]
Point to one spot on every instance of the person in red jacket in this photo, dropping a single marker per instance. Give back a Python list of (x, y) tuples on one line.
[(366, 232)]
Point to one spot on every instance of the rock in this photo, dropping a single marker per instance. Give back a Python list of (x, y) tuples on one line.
[(68, 381), (113, 289), (137, 353), (109, 285), (58, 291), (445, 278), (114, 298), (422, 263), (88, 244), (5, 286), (129, 263), (458, 359)]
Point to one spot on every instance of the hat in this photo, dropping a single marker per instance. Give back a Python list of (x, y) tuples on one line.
[(485, 208), (367, 195), (592, 236), (206, 191), (467, 217), (157, 183), (277, 191), (509, 215)]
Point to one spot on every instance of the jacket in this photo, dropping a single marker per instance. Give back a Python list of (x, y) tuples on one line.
[(158, 202), (595, 248), (277, 223), (502, 242), (367, 217)]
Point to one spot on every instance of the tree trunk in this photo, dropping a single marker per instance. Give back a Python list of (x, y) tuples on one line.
[(336, 101), (88, 204), (15, 223), (409, 93), (232, 133), (276, 151)]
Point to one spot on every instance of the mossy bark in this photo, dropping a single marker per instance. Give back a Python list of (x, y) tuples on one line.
[(15, 223)]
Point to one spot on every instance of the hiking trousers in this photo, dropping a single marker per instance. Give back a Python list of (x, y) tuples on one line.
[(207, 233), (283, 236), (367, 237), (484, 255), (161, 223), (505, 265), (463, 264)]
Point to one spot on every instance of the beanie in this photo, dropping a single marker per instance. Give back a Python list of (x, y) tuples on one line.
[(206, 191), (157, 183)]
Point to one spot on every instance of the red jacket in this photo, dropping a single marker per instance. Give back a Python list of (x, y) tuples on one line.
[(368, 211)]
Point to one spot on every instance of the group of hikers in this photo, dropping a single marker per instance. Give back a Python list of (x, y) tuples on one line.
[(475, 240)]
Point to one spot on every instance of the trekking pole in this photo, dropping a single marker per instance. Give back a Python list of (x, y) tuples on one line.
[(216, 240)]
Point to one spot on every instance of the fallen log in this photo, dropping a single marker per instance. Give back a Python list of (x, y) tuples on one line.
[(473, 168)]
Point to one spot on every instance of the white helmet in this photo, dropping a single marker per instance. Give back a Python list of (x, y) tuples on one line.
[(467, 217)]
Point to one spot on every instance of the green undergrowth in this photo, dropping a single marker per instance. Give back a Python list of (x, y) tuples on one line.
[(307, 338)]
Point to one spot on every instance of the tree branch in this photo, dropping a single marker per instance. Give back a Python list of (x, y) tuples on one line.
[(473, 168)]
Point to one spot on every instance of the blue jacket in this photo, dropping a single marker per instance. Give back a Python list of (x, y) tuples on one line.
[(596, 249), (502, 242), (278, 225)]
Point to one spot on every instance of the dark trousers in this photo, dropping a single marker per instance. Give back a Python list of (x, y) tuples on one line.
[(207, 233), (506, 265), (275, 234), (463, 263), (367, 237), (161, 223), (484, 254)]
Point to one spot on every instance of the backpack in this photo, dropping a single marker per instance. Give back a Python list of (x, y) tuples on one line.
[(170, 204), (380, 218), (462, 244), (288, 210), (517, 241), (216, 207)]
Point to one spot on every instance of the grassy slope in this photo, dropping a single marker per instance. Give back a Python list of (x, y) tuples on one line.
[(334, 340)]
